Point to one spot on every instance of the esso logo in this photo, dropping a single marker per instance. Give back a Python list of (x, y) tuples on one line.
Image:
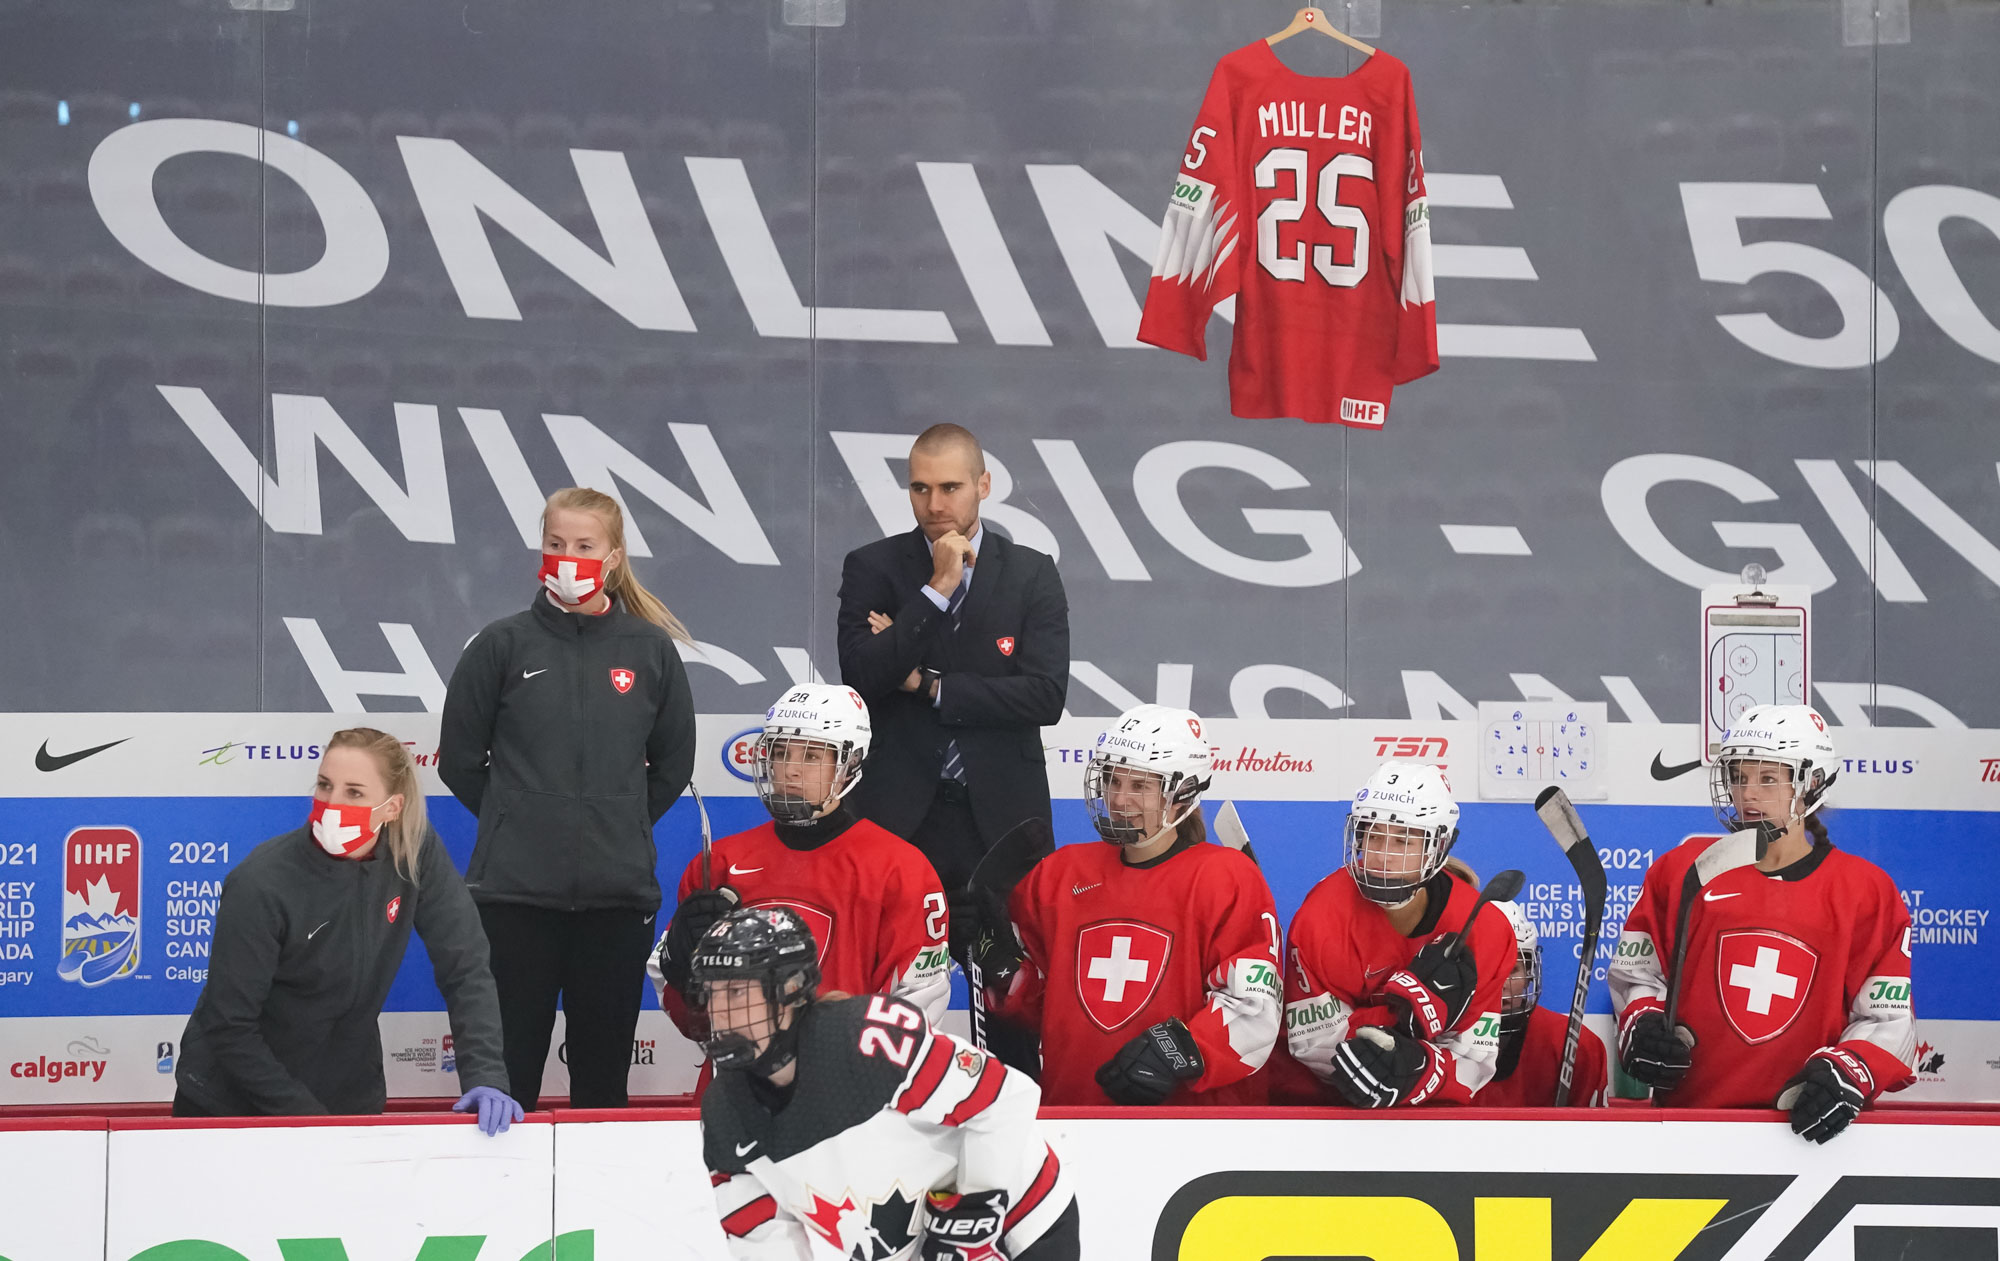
[(739, 754)]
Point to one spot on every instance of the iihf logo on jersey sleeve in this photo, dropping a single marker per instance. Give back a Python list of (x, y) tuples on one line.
[(100, 933)]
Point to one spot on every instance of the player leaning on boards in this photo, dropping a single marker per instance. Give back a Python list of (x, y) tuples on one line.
[(568, 730), (1795, 988), (875, 906), (1379, 1005), (1149, 966), (1531, 1037), (847, 1126), (311, 930)]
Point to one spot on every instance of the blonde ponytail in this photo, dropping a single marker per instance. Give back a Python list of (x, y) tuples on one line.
[(1463, 870), (405, 835), (622, 582)]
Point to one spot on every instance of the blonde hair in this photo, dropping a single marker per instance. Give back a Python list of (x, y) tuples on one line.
[(404, 835), (621, 582), (1463, 870)]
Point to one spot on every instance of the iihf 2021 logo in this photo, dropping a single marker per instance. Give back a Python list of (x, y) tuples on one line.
[(100, 934)]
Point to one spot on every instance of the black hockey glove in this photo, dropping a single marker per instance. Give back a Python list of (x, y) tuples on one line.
[(1381, 1068), (1431, 994), (695, 915), (981, 930), (1654, 1054), (963, 1227), (1827, 1093), (1146, 1069)]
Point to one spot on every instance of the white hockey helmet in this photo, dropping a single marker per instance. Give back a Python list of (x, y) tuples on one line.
[(1156, 741), (1401, 827), (1524, 984), (807, 716), (1793, 735)]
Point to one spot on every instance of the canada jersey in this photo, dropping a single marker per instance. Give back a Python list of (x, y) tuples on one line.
[(1536, 1073), (1114, 949), (1343, 949), (883, 1110), (871, 899), (1303, 199), (1775, 970)]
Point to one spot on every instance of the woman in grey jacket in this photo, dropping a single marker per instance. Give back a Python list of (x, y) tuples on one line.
[(568, 730), (311, 930)]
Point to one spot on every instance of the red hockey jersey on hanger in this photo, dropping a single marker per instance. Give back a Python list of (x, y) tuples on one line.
[(1302, 198)]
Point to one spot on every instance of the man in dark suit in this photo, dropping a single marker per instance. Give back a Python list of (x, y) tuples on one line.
[(959, 642)]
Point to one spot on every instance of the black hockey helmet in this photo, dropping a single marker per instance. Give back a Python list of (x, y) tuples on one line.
[(772, 946)]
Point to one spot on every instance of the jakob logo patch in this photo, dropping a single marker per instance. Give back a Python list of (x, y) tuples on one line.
[(1005, 644), (621, 679)]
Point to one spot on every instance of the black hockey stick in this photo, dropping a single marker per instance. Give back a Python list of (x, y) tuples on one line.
[(1560, 818), (1501, 888), (990, 885)]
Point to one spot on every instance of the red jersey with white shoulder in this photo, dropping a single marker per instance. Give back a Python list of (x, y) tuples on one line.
[(1115, 948), (1532, 1084), (1778, 966), (1303, 199), (871, 898), (1343, 948), (883, 1110)]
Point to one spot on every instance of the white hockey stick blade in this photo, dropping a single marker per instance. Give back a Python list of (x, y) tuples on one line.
[(1229, 827), (1738, 849), (1560, 817)]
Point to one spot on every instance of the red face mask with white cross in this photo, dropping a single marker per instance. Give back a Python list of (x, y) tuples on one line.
[(574, 580), (341, 829)]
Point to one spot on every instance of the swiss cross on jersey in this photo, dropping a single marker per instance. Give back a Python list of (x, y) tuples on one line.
[(621, 679), (1764, 977), (1005, 644), (1119, 964), (395, 904)]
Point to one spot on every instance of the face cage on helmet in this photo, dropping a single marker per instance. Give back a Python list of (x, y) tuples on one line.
[(1393, 888), (735, 1050), (1515, 1009), (1806, 794), (1182, 790), (789, 809)]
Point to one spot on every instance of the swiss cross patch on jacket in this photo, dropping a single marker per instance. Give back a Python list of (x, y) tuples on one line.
[(1302, 198)]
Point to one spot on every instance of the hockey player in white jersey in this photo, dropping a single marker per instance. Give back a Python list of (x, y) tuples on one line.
[(847, 1127)]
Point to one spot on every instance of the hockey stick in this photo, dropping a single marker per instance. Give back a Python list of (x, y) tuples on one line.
[(1501, 888), (1738, 849), (1229, 831), (992, 882), (707, 842), (1560, 818)]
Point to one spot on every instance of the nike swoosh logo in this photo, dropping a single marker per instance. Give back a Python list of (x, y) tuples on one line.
[(315, 932), (1710, 895), (744, 1149), (529, 674), (1662, 771), (1076, 889), (44, 761), (734, 870)]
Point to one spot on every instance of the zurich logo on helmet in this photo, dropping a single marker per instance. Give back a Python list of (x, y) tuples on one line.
[(1362, 795), (1100, 736)]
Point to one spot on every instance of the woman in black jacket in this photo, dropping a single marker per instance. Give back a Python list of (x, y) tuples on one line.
[(312, 927), (568, 729)]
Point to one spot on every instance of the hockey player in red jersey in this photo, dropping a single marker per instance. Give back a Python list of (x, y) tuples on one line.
[(1531, 1037), (872, 902), (1796, 985), (1377, 1007), (1302, 198), (1149, 964), (847, 1127)]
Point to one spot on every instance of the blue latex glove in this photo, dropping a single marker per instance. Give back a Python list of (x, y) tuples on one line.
[(496, 1110)]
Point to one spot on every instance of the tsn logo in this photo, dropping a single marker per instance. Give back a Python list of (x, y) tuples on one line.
[(1409, 746)]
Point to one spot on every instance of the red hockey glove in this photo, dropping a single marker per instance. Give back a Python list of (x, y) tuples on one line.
[(964, 1227), (1431, 994), (1381, 1068)]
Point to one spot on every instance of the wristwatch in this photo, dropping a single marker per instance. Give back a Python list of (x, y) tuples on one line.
[(930, 677)]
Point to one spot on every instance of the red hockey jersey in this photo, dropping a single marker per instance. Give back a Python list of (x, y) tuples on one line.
[(873, 903), (1114, 949), (1343, 948), (1532, 1084), (1303, 199), (1777, 967)]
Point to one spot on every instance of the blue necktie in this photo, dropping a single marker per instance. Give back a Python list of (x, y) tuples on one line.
[(954, 765)]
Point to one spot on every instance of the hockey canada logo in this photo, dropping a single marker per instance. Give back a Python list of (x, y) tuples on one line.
[(622, 680), (818, 920), (869, 1231), (1764, 977), (1119, 964), (100, 934)]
